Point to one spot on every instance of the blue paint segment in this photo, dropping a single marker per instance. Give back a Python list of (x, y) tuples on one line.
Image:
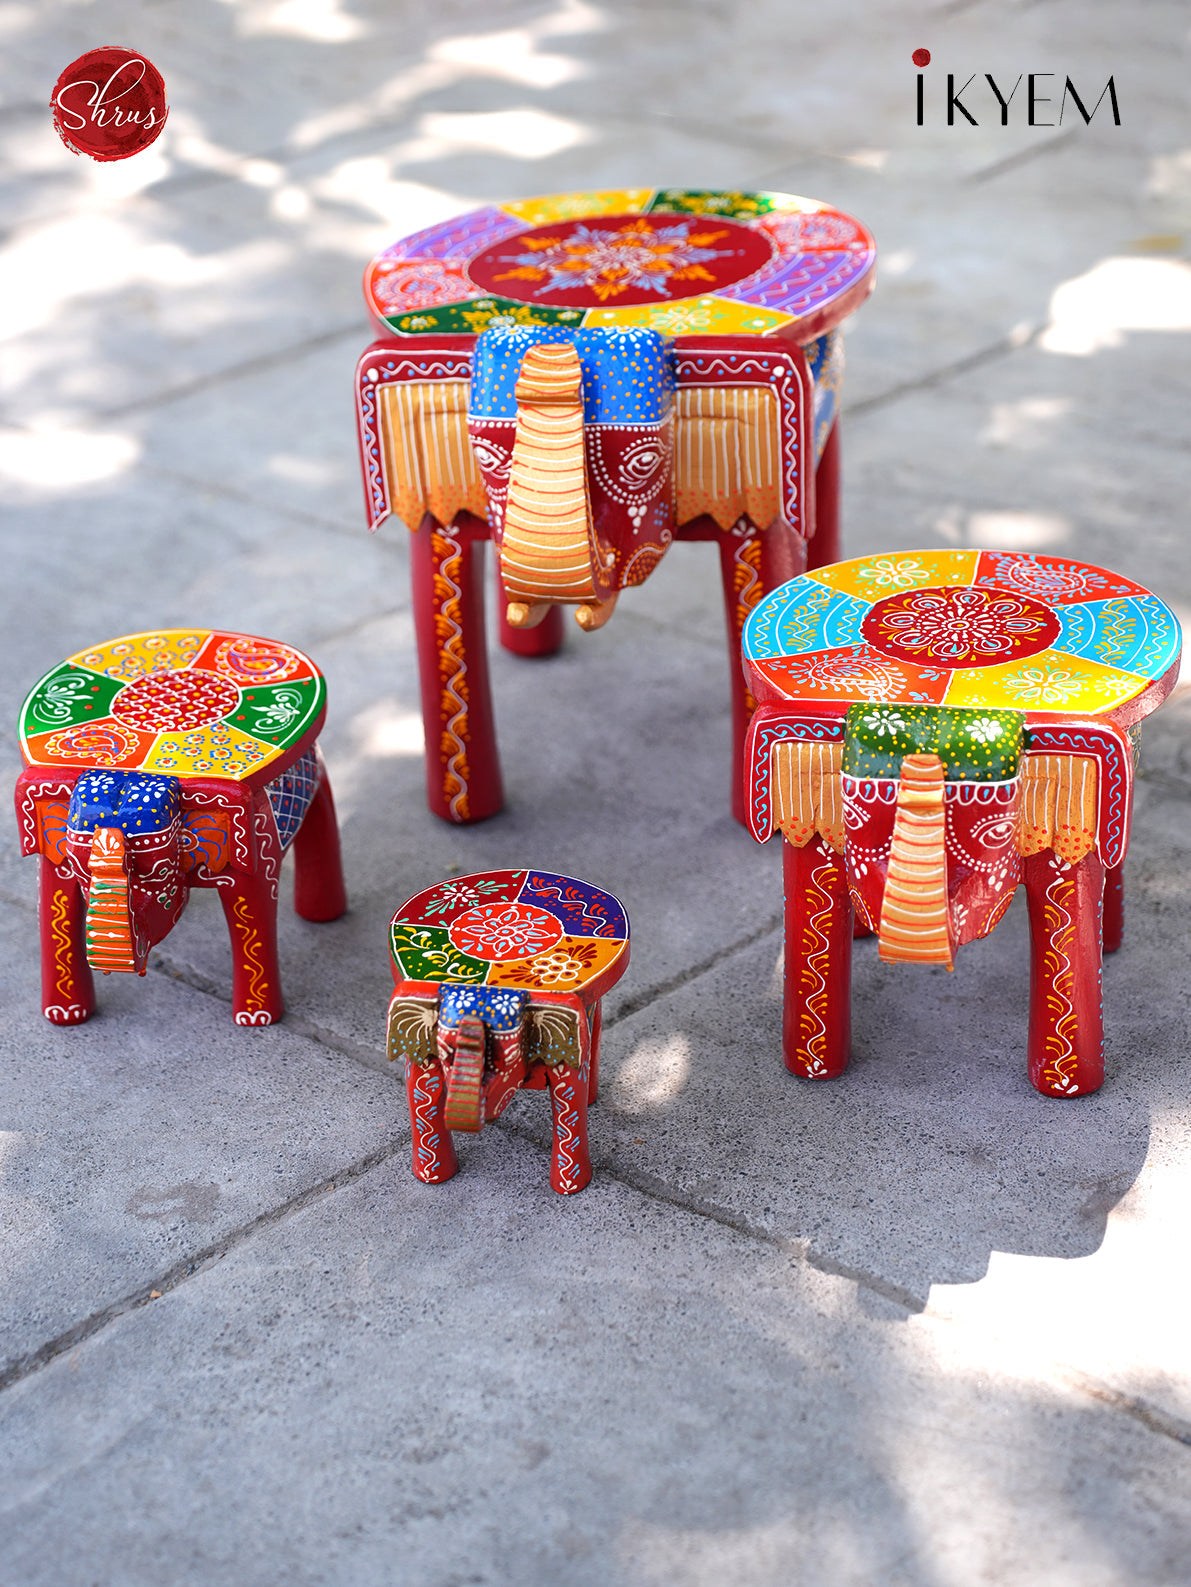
[(1135, 633), (802, 616), (628, 376)]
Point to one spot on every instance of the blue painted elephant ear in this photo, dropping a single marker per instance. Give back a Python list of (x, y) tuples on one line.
[(134, 801)]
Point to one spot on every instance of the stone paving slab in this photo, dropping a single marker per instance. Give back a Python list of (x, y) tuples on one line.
[(480, 1383)]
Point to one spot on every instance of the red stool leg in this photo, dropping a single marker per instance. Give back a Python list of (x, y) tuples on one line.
[(570, 1164), (434, 1151), (817, 1013), (319, 893), (250, 909), (824, 544), (1066, 1046), (542, 640), (1114, 907), (593, 1079), (67, 987), (462, 765), (751, 564)]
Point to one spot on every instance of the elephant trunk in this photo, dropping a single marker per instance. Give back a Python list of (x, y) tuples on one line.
[(548, 549), (465, 1088), (915, 920), (109, 919)]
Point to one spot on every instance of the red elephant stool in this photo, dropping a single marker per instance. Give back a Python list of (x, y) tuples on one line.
[(583, 379), (183, 758), (499, 978), (937, 727)]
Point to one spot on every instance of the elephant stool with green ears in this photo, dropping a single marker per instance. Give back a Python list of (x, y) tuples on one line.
[(935, 728), (165, 761), (499, 978)]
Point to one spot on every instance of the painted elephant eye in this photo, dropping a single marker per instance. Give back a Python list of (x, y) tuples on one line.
[(492, 459), (640, 463)]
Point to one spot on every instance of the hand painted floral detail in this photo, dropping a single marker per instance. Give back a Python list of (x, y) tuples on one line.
[(505, 931), (884, 573), (984, 729)]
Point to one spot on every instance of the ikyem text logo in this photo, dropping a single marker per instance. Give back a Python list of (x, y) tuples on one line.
[(981, 100)]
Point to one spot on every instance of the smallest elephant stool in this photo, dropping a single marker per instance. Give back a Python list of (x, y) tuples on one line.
[(499, 978), (186, 757)]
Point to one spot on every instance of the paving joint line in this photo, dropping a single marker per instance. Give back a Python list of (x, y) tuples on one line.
[(250, 366), (1012, 342), (21, 1367), (246, 499), (660, 989)]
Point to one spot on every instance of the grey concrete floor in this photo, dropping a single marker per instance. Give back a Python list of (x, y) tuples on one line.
[(917, 1326)]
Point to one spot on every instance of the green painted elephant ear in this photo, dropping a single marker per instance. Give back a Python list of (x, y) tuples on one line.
[(413, 1022), (559, 1034)]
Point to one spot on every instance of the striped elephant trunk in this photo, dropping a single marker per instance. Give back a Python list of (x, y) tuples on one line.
[(915, 921), (109, 919)]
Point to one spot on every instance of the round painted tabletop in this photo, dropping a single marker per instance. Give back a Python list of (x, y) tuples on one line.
[(531, 929), (678, 260), (193, 702), (1000, 629)]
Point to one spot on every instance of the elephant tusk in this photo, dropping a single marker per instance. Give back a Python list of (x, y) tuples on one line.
[(594, 614), (526, 614)]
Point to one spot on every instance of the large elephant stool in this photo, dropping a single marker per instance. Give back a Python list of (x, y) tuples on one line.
[(583, 379), (499, 978), (936, 728), (162, 761)]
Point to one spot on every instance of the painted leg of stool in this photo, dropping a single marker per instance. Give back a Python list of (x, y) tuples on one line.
[(1066, 1047), (318, 869), (1114, 907), (67, 988), (751, 564), (570, 1165), (250, 908), (817, 1013), (462, 764), (824, 544), (434, 1151), (593, 1079), (541, 640)]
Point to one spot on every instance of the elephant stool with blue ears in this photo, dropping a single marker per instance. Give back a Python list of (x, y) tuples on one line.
[(499, 978), (164, 761), (583, 379)]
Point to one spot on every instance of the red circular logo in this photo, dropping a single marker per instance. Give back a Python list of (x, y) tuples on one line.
[(616, 261), (110, 103), (921, 57), (957, 626)]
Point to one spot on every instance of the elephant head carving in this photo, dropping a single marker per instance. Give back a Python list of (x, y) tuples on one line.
[(486, 1040), (573, 432), (935, 808), (123, 842)]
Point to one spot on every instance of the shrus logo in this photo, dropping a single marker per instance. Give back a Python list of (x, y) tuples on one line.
[(109, 104), (1038, 100)]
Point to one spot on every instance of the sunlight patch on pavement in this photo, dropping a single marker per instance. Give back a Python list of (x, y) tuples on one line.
[(654, 1073), (64, 459), (1091, 311)]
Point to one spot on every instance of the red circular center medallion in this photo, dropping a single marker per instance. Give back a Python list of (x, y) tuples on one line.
[(505, 931), (615, 261), (110, 103), (960, 626), (177, 702)]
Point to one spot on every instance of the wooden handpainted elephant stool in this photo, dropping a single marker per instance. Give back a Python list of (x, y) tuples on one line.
[(498, 980), (165, 761), (918, 821), (584, 392)]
